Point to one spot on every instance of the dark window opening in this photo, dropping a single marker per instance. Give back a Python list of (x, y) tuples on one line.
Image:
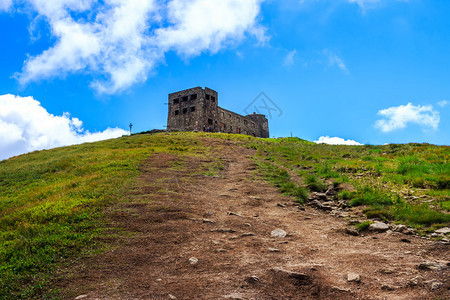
[(185, 98), (245, 122), (194, 96), (184, 110), (193, 108), (176, 101), (213, 98), (207, 97), (177, 113), (238, 130), (210, 121)]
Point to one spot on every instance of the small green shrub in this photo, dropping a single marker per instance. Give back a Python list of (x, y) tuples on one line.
[(371, 196), (345, 195), (379, 212), (363, 226), (314, 184), (420, 214)]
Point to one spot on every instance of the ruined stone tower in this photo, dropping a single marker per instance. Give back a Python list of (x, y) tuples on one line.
[(197, 109)]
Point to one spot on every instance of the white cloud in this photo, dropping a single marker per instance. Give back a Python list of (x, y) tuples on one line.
[(289, 58), (5, 4), (27, 126), (334, 60), (122, 41), (399, 117), (204, 25), (336, 141), (442, 103)]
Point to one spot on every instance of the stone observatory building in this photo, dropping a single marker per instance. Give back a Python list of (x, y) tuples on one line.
[(197, 109)]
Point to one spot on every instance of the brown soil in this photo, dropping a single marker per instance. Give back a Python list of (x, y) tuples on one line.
[(170, 215)]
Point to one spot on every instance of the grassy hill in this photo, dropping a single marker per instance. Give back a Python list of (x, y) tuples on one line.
[(54, 204)]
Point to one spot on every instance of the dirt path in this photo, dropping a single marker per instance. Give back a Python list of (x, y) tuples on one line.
[(226, 223)]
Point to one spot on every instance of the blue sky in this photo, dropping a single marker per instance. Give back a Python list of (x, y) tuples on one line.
[(340, 71)]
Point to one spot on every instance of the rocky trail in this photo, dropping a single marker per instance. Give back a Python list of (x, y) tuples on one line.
[(236, 237)]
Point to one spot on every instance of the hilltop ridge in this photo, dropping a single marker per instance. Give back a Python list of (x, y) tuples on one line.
[(149, 203)]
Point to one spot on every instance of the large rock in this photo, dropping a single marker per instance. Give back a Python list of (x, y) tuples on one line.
[(278, 233), (432, 266), (379, 226), (444, 230), (351, 231), (319, 205), (353, 277), (399, 228)]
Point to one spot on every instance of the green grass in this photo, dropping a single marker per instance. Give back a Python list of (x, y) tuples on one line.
[(281, 179), (379, 174), (53, 203), (363, 226), (314, 184)]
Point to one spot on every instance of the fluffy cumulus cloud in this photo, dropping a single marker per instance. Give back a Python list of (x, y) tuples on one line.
[(336, 141), (398, 117), (122, 41), (27, 126)]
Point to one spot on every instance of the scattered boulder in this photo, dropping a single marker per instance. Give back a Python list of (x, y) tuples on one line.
[(386, 287), (432, 266), (444, 230), (172, 297), (300, 278), (248, 234), (351, 231), (234, 214), (316, 195), (399, 228), (278, 233), (274, 250), (415, 281), (317, 204), (436, 285), (353, 277), (252, 279), (193, 261), (208, 221), (331, 192), (379, 226), (340, 289), (81, 297)]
